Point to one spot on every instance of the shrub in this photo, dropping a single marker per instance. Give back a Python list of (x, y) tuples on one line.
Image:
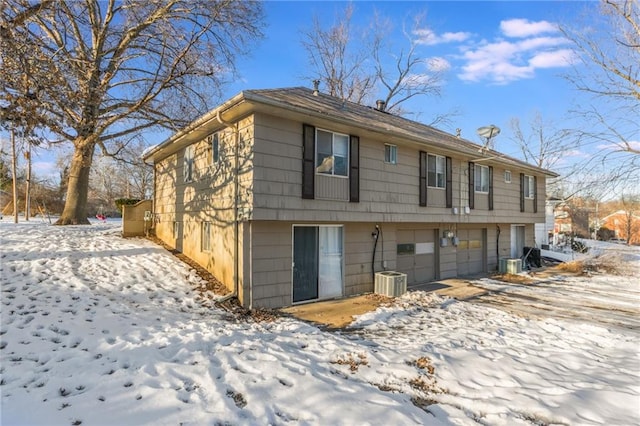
[(125, 202)]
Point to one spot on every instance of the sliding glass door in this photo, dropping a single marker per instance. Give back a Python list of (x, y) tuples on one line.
[(317, 262)]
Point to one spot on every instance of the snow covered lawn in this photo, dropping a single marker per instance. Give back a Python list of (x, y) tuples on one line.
[(96, 329)]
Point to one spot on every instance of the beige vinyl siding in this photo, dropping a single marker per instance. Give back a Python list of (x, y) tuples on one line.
[(271, 260), (332, 188), (482, 201), (359, 254), (271, 255), (209, 197), (388, 192)]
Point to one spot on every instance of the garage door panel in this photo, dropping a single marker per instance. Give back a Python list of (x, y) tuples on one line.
[(404, 264), (419, 265), (470, 251)]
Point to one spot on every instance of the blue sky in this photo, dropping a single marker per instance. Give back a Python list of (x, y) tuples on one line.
[(503, 59)]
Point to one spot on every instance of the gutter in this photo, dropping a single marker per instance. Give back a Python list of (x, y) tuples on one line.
[(198, 122)]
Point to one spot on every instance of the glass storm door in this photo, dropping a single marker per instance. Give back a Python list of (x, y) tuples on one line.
[(317, 262), (305, 263)]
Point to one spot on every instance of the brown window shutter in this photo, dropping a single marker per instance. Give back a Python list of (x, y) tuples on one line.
[(535, 194), (472, 185), (423, 178), (490, 187), (354, 169), (449, 189), (308, 160), (521, 192)]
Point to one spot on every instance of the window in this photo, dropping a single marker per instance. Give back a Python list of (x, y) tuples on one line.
[(405, 249), (390, 154), (529, 187), (176, 229), (205, 236), (215, 148), (436, 166), (507, 176), (481, 178), (332, 151), (188, 163)]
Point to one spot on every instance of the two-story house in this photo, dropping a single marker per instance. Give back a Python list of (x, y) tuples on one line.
[(290, 196)]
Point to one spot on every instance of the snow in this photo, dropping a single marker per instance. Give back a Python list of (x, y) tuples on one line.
[(97, 329)]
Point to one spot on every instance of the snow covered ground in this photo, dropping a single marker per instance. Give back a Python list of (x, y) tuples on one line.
[(96, 329)]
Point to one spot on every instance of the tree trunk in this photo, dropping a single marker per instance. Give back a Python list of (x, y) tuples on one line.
[(27, 195), (14, 160), (75, 206)]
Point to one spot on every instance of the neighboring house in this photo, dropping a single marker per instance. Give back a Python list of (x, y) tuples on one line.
[(623, 224), (571, 221), (290, 195), (545, 233)]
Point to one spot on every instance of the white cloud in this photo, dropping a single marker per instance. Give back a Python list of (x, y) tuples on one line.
[(427, 37), (45, 169), (524, 47), (438, 64), (505, 61), (526, 28), (553, 59), (619, 146)]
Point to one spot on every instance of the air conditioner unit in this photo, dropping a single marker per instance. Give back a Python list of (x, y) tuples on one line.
[(510, 266), (390, 283)]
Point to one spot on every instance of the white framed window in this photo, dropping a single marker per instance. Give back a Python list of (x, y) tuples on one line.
[(436, 166), (214, 140), (205, 236), (390, 154), (188, 163), (529, 187), (332, 153), (507, 176), (481, 178)]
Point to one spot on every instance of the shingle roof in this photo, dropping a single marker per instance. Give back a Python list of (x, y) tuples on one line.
[(307, 102)]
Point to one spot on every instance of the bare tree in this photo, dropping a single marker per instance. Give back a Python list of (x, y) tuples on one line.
[(631, 221), (339, 57), (101, 71), (609, 49), (124, 177), (543, 143), (608, 69), (411, 75), (360, 65), (138, 174)]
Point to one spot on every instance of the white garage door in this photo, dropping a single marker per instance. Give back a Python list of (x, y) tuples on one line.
[(416, 251), (471, 251)]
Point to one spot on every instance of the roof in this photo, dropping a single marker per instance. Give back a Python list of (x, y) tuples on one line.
[(623, 213), (315, 104)]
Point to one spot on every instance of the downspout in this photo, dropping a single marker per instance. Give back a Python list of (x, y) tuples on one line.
[(375, 234), (236, 187), (498, 245)]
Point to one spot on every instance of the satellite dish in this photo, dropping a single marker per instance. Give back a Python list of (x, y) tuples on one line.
[(488, 132)]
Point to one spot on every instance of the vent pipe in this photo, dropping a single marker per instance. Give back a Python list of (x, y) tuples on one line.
[(316, 85), (380, 105)]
